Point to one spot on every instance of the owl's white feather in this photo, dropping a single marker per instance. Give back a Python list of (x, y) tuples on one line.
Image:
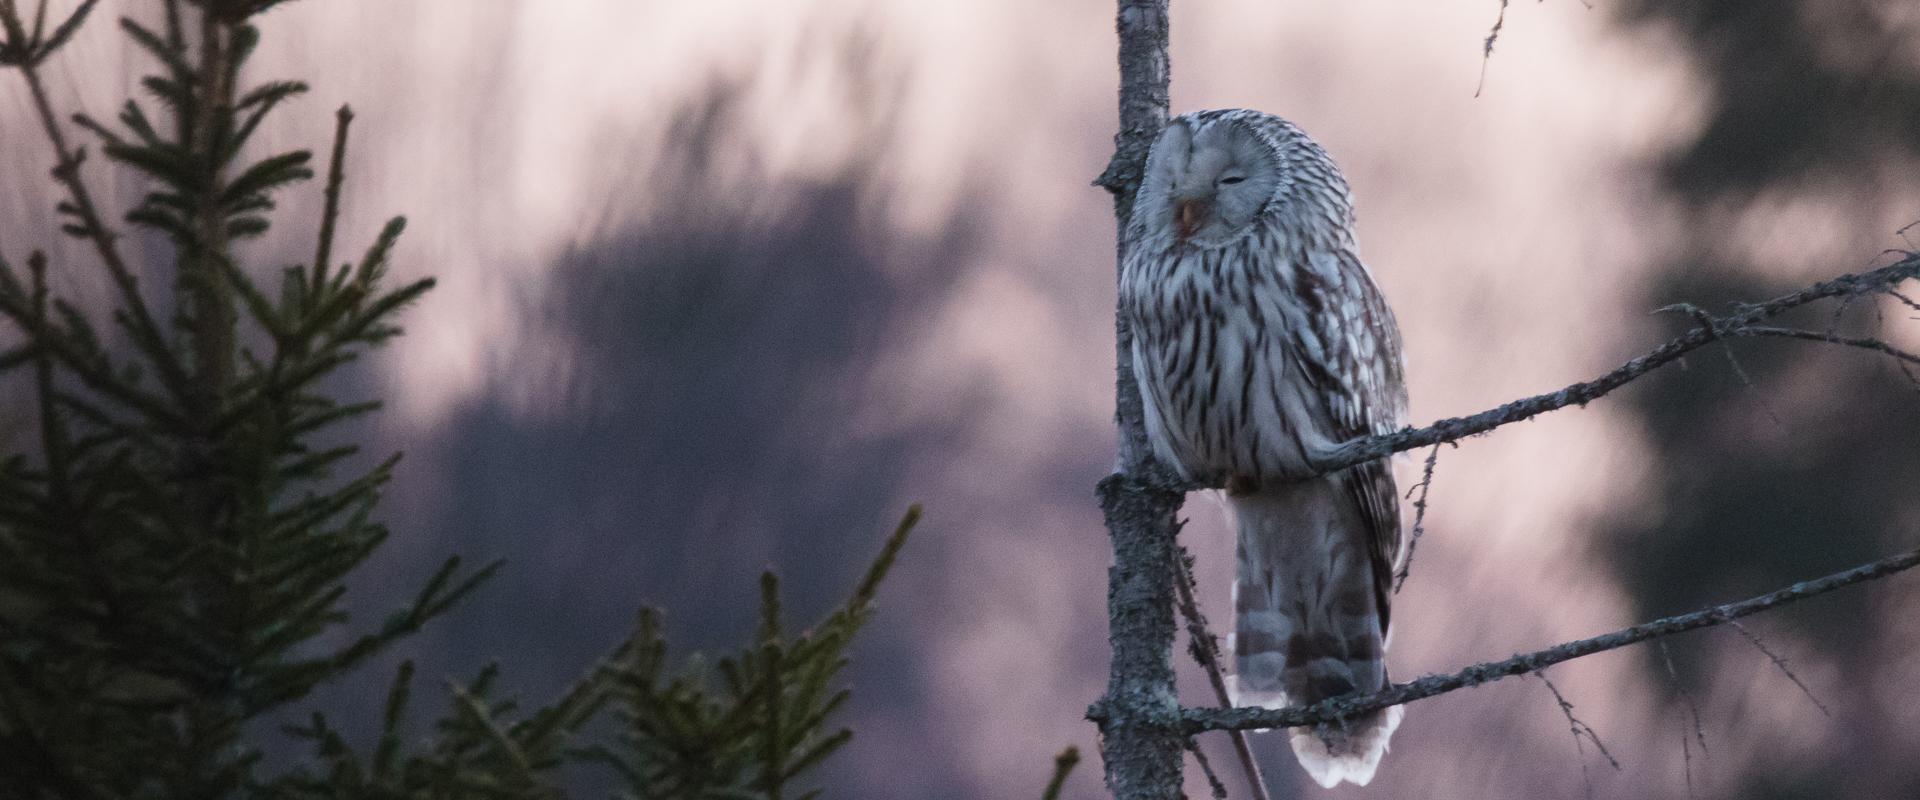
[(1260, 343)]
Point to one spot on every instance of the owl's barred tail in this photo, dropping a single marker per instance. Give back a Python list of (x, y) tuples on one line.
[(1307, 624)]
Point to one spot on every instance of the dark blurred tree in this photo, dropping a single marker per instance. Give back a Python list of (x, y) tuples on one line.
[(1804, 463), (174, 547)]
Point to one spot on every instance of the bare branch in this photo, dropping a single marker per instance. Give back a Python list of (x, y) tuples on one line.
[(1780, 664), (1486, 48), (1744, 321), (1699, 731), (1195, 720), (1214, 785), (1205, 648), (1904, 300), (1739, 323), (1581, 730), (1419, 520), (1863, 343)]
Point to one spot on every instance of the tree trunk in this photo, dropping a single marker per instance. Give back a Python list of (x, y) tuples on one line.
[(1141, 742)]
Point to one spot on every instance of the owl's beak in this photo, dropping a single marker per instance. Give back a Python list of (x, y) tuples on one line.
[(1189, 215)]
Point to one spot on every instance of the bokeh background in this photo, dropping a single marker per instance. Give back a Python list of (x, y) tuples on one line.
[(727, 284)]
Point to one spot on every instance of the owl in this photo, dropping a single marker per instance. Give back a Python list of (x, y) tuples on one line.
[(1260, 343)]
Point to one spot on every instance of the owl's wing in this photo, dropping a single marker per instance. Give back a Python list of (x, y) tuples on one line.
[(1351, 357)]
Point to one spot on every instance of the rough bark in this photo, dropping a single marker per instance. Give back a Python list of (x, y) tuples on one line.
[(1144, 729), (1141, 742)]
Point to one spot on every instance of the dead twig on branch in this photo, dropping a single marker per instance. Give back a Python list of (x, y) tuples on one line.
[(1699, 731), (1581, 730), (1214, 786), (1143, 727), (1780, 664), (1742, 322), (1205, 719), (1419, 519), (1745, 321), (1205, 648)]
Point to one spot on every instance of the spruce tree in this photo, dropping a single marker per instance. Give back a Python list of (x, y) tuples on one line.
[(176, 536)]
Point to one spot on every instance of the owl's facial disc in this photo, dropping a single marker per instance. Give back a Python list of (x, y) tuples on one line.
[(1218, 185)]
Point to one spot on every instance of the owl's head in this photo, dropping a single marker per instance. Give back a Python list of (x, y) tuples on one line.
[(1211, 174)]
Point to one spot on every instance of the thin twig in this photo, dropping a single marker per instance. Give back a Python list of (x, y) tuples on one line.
[(1419, 519), (1202, 719), (1904, 300), (1486, 48), (1861, 342), (1902, 233), (1740, 372), (1579, 748), (1218, 789), (1205, 648), (1902, 359), (1781, 664), (1581, 730), (1699, 731), (1739, 323)]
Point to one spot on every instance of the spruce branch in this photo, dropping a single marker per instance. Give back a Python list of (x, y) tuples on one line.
[(750, 723), (330, 214), (25, 52)]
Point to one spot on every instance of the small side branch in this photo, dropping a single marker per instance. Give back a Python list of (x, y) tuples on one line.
[(1205, 648), (1780, 664), (1214, 786), (1693, 709), (1581, 730), (1419, 519), (1486, 47), (1196, 720), (1745, 321)]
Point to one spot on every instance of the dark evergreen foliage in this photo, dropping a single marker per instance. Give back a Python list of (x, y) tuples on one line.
[(174, 545)]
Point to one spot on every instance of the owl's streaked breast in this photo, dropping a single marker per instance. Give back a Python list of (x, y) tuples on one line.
[(1216, 358)]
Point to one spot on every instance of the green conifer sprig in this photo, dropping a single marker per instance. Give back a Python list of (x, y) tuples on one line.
[(174, 553), (176, 535), (751, 723)]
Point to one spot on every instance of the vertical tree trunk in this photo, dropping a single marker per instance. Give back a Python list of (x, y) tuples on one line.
[(1140, 745)]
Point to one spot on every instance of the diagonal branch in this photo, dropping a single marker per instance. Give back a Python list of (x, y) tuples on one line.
[(1419, 519), (1206, 650), (1744, 321), (1581, 730), (1780, 664), (1205, 719)]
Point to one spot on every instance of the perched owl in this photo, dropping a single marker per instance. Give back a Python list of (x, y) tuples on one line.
[(1260, 342)]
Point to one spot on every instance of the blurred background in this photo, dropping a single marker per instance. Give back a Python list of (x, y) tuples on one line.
[(729, 284)]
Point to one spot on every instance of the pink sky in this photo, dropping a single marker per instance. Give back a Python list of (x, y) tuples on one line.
[(1513, 233)]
